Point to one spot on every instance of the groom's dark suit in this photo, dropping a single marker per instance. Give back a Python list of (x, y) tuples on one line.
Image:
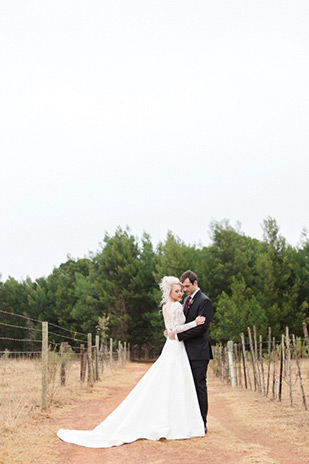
[(198, 346)]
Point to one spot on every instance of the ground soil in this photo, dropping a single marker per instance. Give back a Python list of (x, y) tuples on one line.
[(243, 427)]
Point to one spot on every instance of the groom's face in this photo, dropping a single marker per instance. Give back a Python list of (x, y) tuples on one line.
[(188, 287)]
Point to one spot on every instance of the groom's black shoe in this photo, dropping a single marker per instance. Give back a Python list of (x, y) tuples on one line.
[(205, 428)]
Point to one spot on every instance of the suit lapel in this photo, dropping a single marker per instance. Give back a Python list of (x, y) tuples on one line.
[(191, 303)]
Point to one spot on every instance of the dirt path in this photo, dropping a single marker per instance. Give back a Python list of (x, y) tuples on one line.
[(243, 428)]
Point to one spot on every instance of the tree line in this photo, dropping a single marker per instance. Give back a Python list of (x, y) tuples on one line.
[(250, 282)]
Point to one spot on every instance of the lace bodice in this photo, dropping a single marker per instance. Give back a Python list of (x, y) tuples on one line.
[(174, 318)]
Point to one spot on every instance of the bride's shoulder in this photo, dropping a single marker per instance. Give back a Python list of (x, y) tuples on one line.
[(172, 307), (176, 305)]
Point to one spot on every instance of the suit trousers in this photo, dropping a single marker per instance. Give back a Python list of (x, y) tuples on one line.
[(199, 372)]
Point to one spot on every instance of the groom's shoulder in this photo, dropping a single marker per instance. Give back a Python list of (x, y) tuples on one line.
[(202, 296)]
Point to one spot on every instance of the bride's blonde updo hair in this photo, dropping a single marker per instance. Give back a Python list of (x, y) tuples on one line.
[(166, 285)]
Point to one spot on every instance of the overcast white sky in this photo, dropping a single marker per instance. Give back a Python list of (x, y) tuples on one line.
[(156, 114)]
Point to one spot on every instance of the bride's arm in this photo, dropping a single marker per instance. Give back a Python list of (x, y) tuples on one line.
[(176, 314)]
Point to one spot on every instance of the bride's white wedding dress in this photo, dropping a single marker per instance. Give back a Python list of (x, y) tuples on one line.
[(163, 404)]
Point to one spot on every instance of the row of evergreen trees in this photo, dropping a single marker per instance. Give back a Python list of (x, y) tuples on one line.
[(250, 282)]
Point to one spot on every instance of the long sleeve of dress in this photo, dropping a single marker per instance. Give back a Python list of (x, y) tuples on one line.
[(174, 319)]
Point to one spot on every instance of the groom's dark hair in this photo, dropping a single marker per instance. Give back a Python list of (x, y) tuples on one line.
[(188, 275)]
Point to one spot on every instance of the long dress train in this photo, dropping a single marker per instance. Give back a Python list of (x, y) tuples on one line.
[(163, 404)]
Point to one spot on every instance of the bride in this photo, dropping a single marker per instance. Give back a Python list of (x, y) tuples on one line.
[(163, 404)]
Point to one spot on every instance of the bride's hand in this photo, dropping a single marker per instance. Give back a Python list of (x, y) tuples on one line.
[(200, 320)]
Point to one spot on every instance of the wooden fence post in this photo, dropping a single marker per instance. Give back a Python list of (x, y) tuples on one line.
[(281, 366), (299, 373), (101, 358), (128, 352), (306, 335), (257, 360), (244, 366), (220, 362), (230, 361), (262, 364), (256, 380), (44, 364), (239, 363), (63, 350), (94, 360), (120, 354), (125, 351), (83, 363), (269, 359), (246, 369), (289, 363), (89, 355), (215, 358), (283, 355), (111, 352), (274, 367), (236, 365), (226, 365), (96, 364)]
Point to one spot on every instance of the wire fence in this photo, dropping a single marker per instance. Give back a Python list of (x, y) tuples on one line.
[(58, 366), (276, 369), (33, 333)]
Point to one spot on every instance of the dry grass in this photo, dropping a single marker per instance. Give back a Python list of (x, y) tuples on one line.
[(23, 425), (20, 392)]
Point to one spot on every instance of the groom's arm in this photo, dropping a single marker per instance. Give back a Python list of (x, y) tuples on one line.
[(205, 310)]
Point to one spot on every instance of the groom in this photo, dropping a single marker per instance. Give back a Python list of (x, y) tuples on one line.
[(197, 340)]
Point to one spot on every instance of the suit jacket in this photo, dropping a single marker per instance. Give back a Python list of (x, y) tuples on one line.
[(197, 340)]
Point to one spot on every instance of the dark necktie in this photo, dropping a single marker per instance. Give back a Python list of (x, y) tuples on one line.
[(187, 304)]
